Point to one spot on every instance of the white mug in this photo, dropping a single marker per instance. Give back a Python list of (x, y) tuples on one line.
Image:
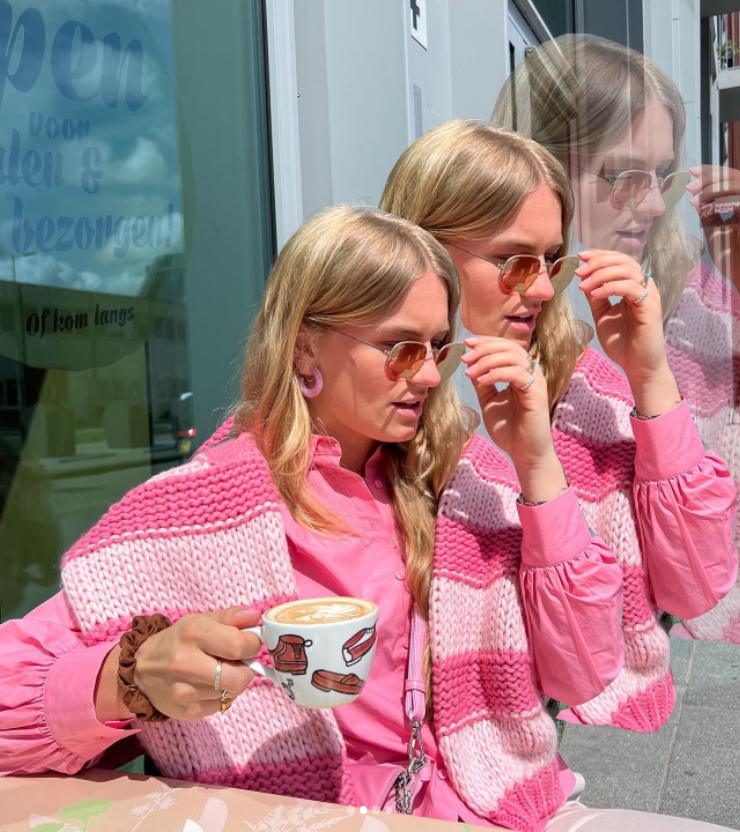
[(321, 648)]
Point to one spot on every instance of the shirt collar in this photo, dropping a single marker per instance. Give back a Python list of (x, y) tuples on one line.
[(325, 450)]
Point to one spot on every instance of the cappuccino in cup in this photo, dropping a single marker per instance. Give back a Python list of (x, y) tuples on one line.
[(321, 649), (320, 611)]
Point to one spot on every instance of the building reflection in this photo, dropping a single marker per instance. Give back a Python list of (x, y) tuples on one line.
[(95, 397)]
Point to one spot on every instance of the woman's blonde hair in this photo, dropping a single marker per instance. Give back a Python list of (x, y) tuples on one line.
[(350, 266), (467, 179), (578, 93)]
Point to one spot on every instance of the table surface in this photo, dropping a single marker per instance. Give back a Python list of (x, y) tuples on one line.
[(114, 800)]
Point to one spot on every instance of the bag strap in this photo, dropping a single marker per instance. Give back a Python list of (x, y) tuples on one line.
[(418, 769), (415, 687)]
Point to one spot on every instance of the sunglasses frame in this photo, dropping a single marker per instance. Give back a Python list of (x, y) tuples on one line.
[(390, 374), (612, 180), (507, 290)]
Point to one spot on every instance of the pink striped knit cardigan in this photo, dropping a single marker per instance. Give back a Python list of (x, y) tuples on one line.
[(209, 535), (595, 443), (703, 346)]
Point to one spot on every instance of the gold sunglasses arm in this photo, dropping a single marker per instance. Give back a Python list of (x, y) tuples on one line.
[(386, 353)]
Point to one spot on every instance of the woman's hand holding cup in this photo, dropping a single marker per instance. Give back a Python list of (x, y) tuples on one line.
[(176, 668)]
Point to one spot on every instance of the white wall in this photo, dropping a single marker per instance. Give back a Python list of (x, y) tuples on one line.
[(353, 109), (671, 30), (342, 79)]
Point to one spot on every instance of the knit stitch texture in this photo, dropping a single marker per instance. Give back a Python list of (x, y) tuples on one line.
[(594, 442), (209, 535), (703, 346)]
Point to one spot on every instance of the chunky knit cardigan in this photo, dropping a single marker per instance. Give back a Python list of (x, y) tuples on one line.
[(170, 547), (703, 346), (595, 443)]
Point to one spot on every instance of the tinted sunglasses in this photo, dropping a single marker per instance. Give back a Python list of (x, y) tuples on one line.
[(405, 359), (519, 273), (631, 187)]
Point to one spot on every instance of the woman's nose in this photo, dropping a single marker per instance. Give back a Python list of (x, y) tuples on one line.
[(653, 204), (542, 287), (428, 375)]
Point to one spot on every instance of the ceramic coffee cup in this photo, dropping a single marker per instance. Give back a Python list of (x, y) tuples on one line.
[(321, 648)]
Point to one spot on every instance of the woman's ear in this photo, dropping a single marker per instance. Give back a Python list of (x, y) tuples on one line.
[(303, 352)]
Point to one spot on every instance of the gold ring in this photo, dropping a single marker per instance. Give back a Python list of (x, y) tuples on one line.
[(646, 278), (217, 679), (532, 366), (226, 702)]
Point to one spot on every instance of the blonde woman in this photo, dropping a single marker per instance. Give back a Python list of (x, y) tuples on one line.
[(616, 123), (349, 469), (502, 206)]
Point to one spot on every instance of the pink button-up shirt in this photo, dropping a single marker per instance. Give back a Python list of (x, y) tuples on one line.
[(570, 588)]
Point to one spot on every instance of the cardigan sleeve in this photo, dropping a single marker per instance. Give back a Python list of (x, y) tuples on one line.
[(685, 505), (572, 596), (47, 687)]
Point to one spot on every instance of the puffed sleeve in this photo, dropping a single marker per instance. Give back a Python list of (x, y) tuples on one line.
[(685, 505), (47, 688), (572, 593)]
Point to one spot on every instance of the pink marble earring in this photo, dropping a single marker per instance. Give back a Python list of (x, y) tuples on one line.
[(311, 385)]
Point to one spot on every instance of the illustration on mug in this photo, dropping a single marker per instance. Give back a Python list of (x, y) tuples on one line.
[(361, 643), (289, 655), (328, 681)]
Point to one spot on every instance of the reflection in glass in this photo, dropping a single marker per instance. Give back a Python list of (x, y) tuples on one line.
[(605, 112)]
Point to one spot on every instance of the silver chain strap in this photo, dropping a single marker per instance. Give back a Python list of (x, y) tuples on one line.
[(406, 782)]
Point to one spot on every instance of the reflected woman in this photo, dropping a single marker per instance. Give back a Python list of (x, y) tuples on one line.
[(616, 123)]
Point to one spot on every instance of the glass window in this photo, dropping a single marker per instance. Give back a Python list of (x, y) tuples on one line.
[(122, 232)]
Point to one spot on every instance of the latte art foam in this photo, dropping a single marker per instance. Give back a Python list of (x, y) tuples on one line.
[(320, 612)]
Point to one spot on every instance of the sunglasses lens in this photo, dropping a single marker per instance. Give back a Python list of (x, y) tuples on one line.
[(631, 187), (448, 359), (562, 272), (674, 187), (406, 359), (520, 272)]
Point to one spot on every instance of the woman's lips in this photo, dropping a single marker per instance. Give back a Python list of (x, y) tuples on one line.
[(409, 409), (633, 239), (526, 324)]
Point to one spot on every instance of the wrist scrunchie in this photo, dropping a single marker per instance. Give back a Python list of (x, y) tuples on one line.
[(143, 626)]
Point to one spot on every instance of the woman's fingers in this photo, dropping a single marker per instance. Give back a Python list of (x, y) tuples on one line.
[(506, 375), (609, 275), (492, 362), (221, 639), (602, 259), (629, 289), (199, 669), (480, 347)]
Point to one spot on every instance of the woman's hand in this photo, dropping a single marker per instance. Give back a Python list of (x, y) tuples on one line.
[(517, 420), (176, 668), (630, 333), (710, 185)]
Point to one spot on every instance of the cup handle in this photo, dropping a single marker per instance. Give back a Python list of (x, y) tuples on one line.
[(255, 666)]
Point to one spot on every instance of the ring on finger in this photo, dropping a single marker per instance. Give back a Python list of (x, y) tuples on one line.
[(646, 278), (226, 701), (217, 678), (532, 367)]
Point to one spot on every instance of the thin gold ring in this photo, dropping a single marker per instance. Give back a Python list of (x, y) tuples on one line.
[(217, 679)]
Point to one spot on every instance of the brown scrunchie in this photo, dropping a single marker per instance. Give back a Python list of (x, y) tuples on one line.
[(142, 627)]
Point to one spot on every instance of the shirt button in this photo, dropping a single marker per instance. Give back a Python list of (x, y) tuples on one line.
[(400, 576), (378, 483), (441, 775), (405, 644)]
